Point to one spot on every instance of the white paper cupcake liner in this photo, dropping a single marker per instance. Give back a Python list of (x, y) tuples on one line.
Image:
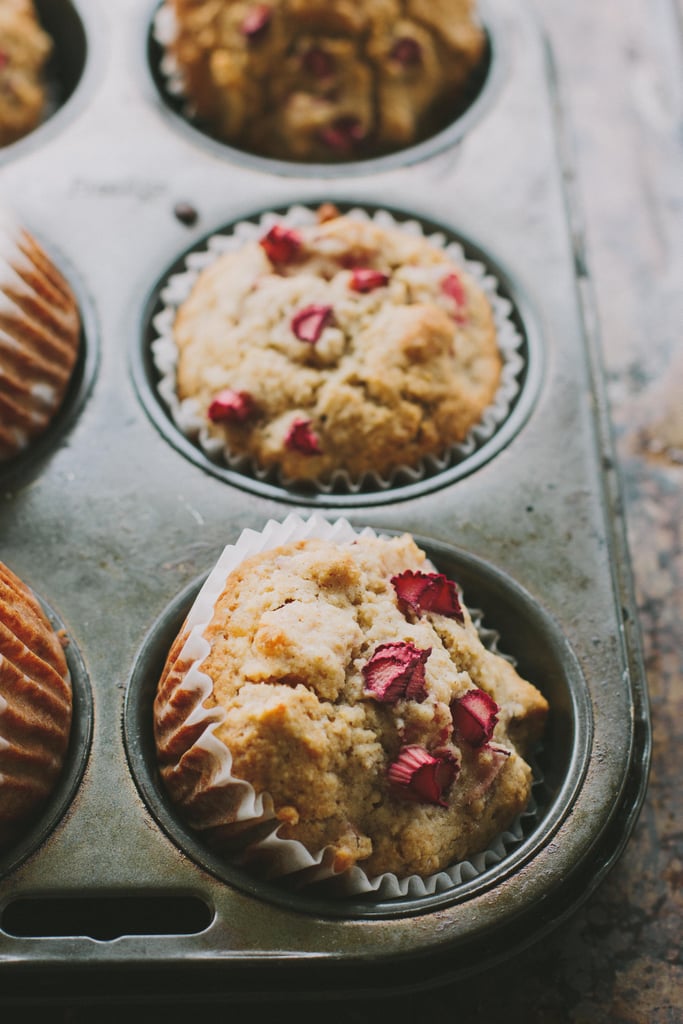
[(41, 328), (188, 417), (288, 858), (164, 32)]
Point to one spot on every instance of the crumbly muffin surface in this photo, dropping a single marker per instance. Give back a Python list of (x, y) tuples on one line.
[(324, 80), (24, 49), (350, 345), (298, 644), (35, 705)]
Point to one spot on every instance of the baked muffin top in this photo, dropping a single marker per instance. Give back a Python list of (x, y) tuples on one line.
[(35, 705), (24, 49), (323, 80), (337, 346), (349, 682)]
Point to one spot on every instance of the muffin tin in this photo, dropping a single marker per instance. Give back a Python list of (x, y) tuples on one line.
[(114, 520)]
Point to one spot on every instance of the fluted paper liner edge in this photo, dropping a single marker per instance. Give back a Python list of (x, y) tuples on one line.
[(189, 419), (288, 857)]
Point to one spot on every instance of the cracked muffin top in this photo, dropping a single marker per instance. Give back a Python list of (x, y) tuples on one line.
[(323, 80), (338, 346), (348, 681), (24, 49)]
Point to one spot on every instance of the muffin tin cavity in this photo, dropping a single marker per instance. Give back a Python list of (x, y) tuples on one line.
[(65, 67), (525, 632), (28, 461), (47, 821), (454, 120), (499, 424)]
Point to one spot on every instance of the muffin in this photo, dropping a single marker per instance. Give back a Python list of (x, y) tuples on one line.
[(323, 80), (24, 50), (342, 346), (35, 706), (339, 690), (39, 338)]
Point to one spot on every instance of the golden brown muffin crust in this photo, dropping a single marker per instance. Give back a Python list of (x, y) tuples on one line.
[(324, 79), (24, 49), (398, 371), (291, 638)]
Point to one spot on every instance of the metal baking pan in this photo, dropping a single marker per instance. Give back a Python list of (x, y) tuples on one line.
[(114, 519)]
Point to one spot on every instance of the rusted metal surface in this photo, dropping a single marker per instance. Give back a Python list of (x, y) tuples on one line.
[(111, 525)]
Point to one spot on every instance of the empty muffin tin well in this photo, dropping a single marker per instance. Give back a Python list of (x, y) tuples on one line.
[(453, 127), (527, 377)]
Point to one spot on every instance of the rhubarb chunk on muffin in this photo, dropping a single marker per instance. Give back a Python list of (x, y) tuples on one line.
[(24, 50), (35, 706), (338, 346), (345, 684), (323, 80), (40, 331)]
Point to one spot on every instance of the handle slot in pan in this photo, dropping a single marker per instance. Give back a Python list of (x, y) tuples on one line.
[(105, 918)]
